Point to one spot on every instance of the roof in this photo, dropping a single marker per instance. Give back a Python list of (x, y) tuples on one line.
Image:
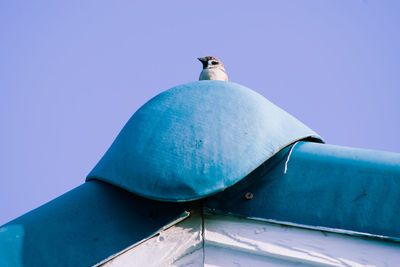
[(270, 177), (325, 187)]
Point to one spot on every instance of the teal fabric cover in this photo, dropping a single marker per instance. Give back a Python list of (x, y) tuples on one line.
[(195, 140)]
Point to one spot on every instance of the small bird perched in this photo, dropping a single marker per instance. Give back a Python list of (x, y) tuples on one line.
[(213, 69)]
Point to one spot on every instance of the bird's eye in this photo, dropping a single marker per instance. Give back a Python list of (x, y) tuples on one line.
[(214, 62)]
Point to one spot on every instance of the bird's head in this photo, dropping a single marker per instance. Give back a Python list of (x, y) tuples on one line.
[(210, 62)]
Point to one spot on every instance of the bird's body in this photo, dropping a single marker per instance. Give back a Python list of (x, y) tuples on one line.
[(213, 74), (213, 69)]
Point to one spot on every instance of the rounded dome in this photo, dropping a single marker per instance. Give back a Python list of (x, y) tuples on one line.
[(195, 140)]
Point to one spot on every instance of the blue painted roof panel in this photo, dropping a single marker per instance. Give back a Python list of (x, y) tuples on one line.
[(324, 186), (83, 227)]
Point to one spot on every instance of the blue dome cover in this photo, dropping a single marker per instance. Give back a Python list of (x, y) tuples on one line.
[(195, 140)]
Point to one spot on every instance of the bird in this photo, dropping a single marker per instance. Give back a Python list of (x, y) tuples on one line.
[(213, 69)]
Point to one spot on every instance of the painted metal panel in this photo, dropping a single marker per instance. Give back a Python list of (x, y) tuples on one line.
[(231, 241), (324, 186), (216, 240), (83, 227), (195, 140), (168, 248)]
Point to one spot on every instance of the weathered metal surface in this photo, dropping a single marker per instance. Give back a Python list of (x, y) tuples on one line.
[(217, 240), (83, 227), (165, 249), (195, 140), (324, 186), (230, 241)]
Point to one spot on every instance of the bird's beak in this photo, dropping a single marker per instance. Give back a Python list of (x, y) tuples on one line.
[(203, 61)]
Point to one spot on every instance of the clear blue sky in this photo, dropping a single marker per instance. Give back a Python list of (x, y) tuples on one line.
[(73, 72)]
